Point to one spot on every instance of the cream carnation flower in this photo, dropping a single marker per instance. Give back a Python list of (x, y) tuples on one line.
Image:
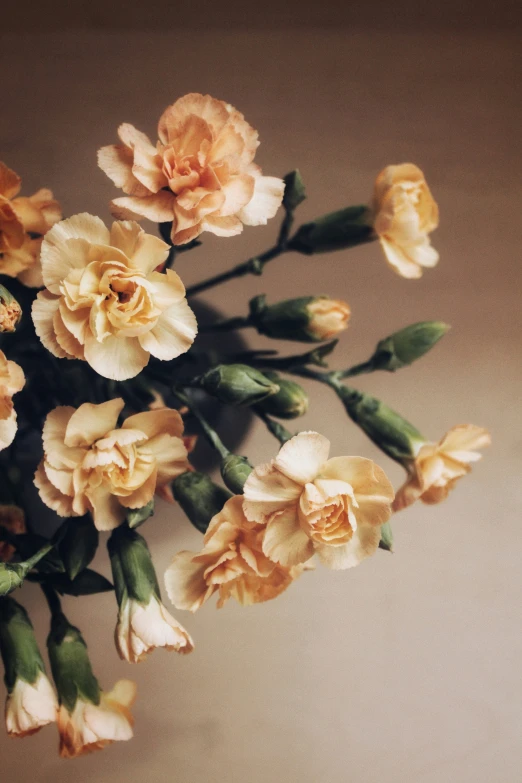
[(312, 504), (104, 302), (12, 380), (91, 726), (23, 223), (89, 465), (437, 466), (141, 628), (200, 175), (231, 563), (405, 213), (30, 706)]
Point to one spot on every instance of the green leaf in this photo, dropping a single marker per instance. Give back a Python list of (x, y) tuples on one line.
[(79, 544), (137, 516), (199, 497), (88, 582)]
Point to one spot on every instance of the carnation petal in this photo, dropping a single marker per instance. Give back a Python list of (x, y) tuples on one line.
[(302, 457), (267, 198), (185, 583), (285, 542), (363, 543), (158, 207), (8, 429), (268, 490), (116, 161), (144, 251), (173, 333), (44, 308), (118, 358), (90, 422)]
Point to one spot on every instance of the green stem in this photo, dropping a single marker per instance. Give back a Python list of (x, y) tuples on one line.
[(55, 606), (209, 432), (276, 429), (254, 266), (227, 326), (358, 369)]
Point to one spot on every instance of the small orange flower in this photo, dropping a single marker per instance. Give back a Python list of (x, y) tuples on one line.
[(200, 175), (405, 213), (12, 380), (23, 223)]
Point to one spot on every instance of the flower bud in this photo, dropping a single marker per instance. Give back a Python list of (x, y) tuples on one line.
[(294, 191), (31, 701), (199, 497), (88, 719), (10, 311), (308, 319), (398, 438), (407, 345), (234, 471), (237, 384), (143, 622), (290, 401), (335, 231)]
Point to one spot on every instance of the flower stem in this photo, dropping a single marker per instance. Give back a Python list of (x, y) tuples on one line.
[(55, 606), (276, 429), (228, 325), (254, 266), (209, 432)]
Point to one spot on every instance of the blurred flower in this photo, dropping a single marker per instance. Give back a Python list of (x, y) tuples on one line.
[(12, 380), (437, 466), (231, 563), (30, 706), (104, 302), (405, 213), (312, 504), (89, 465), (12, 519), (200, 175), (90, 726), (23, 223), (10, 311), (142, 628), (31, 702)]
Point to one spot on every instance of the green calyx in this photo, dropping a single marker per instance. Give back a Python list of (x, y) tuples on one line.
[(132, 568), (237, 384), (70, 664), (18, 646), (286, 320), (387, 429), (234, 471), (290, 402), (336, 231), (199, 497), (404, 347)]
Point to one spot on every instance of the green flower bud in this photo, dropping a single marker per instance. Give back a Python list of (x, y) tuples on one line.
[(308, 319), (295, 192), (18, 647), (290, 401), (335, 231), (387, 429), (70, 664), (132, 568), (407, 345), (10, 311), (12, 575), (237, 384), (199, 497), (234, 471)]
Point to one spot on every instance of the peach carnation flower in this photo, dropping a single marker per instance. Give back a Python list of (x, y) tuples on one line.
[(12, 380), (231, 563), (104, 302), (23, 223), (200, 175), (91, 726), (405, 213), (437, 466), (89, 465), (30, 706), (328, 317), (312, 504)]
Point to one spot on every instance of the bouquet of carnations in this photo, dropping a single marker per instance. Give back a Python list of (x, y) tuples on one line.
[(101, 370)]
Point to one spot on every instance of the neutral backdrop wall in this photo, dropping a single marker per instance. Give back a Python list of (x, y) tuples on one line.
[(407, 668)]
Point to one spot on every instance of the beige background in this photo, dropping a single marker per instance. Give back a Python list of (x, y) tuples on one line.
[(407, 668)]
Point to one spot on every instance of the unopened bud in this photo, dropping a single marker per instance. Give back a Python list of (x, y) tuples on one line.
[(237, 384), (290, 401), (294, 191), (335, 231), (199, 497), (235, 470), (10, 311), (407, 345), (306, 319), (398, 438), (70, 664)]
